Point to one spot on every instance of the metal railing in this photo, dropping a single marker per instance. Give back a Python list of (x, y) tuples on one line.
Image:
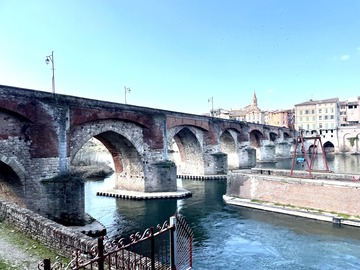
[(167, 247)]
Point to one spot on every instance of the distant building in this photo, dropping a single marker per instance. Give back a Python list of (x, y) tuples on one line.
[(318, 114), (221, 113), (281, 118), (350, 112), (250, 113)]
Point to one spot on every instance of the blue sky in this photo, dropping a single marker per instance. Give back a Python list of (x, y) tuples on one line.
[(176, 54)]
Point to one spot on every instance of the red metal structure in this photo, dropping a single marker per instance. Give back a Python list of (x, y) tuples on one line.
[(300, 139)]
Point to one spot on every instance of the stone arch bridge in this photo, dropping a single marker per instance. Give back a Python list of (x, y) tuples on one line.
[(41, 132)]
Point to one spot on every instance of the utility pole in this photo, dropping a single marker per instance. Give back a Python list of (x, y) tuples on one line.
[(212, 106), (50, 58)]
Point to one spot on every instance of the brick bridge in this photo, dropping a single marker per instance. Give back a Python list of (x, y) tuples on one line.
[(40, 134)]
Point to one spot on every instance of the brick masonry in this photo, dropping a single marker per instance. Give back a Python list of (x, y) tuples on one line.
[(40, 133), (327, 192), (57, 237)]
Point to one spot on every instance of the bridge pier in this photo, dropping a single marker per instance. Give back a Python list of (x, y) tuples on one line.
[(283, 150), (215, 164), (64, 200), (266, 153), (247, 157), (158, 177)]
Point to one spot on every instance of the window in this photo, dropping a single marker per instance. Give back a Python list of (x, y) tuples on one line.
[(320, 125), (306, 111), (320, 117), (332, 117), (312, 111), (326, 117), (307, 118), (319, 110)]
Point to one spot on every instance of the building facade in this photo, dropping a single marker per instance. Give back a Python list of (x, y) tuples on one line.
[(318, 114), (350, 112), (281, 118)]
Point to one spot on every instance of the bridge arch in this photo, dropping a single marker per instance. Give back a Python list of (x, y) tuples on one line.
[(329, 147), (228, 144), (312, 148), (106, 131), (187, 151), (286, 135), (256, 137), (273, 136), (124, 141), (346, 141), (12, 180)]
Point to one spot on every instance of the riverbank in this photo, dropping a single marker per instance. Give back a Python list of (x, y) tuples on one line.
[(19, 252)]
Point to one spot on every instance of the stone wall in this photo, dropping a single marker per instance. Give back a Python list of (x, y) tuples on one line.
[(59, 238), (322, 194)]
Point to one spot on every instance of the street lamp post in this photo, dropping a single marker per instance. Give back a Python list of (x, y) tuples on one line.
[(50, 58), (127, 90), (212, 105)]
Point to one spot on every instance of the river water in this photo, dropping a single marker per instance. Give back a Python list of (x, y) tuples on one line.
[(227, 237)]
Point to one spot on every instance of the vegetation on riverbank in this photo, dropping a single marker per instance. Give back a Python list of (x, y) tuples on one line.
[(18, 251)]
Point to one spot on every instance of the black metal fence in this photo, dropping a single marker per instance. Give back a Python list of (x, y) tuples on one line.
[(167, 247)]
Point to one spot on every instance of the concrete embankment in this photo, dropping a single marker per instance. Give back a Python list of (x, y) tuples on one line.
[(325, 196), (293, 211)]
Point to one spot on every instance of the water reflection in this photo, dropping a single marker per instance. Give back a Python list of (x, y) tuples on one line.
[(135, 216)]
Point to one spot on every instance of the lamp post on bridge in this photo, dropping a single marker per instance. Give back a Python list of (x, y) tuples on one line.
[(50, 58), (127, 90), (212, 106)]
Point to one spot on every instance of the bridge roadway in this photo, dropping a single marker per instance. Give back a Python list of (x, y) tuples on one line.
[(41, 132)]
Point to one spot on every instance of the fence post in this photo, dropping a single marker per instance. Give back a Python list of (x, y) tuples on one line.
[(152, 243), (173, 245), (101, 253), (47, 264)]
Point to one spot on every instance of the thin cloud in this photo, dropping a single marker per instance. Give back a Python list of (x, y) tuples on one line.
[(344, 57)]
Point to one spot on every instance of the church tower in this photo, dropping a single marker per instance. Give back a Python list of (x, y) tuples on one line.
[(254, 100)]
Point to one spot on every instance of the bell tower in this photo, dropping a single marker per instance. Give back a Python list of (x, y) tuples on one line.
[(254, 100)]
